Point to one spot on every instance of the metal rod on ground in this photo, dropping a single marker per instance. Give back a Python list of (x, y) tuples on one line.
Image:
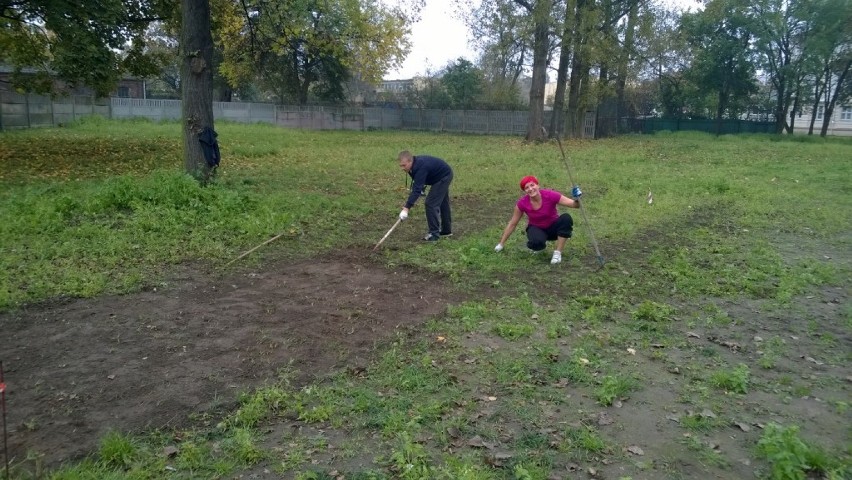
[(276, 237), (387, 234), (582, 208), (5, 435)]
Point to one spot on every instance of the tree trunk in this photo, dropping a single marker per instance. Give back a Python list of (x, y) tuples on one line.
[(781, 105), (818, 88), (541, 14), (624, 61), (829, 109), (579, 73), (791, 127), (557, 121), (196, 84)]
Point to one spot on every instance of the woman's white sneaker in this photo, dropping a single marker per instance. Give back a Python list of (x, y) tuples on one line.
[(557, 257)]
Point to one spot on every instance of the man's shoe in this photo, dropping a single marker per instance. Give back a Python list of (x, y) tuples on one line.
[(448, 234), (431, 237), (557, 257)]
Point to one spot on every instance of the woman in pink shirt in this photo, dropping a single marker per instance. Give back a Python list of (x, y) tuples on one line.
[(543, 221)]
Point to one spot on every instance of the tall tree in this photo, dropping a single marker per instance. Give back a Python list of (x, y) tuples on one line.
[(780, 29), (626, 55), (585, 23), (301, 49), (722, 64), (196, 50), (503, 34), (557, 120), (83, 42), (463, 82), (540, 11), (831, 42)]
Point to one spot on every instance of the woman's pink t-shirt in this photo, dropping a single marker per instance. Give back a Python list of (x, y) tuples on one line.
[(546, 214)]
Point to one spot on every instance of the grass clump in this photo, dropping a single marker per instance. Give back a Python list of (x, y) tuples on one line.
[(732, 380), (612, 388), (791, 458), (117, 450)]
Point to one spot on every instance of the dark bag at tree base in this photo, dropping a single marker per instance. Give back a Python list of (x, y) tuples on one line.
[(210, 147)]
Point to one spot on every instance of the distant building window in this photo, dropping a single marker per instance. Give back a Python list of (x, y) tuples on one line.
[(846, 113), (124, 92), (819, 112)]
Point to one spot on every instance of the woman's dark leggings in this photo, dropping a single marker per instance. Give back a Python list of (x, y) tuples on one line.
[(537, 237)]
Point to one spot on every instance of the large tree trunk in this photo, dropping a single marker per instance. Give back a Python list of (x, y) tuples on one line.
[(579, 72), (196, 48), (557, 121), (541, 14), (624, 60), (829, 109), (781, 104), (791, 127), (818, 89)]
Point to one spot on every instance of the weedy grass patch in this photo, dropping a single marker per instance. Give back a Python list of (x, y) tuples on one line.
[(791, 457)]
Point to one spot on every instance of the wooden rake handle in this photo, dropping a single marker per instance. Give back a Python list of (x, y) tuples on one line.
[(388, 234)]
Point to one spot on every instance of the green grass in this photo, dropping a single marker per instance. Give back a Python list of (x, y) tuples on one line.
[(733, 380), (791, 457), (102, 207)]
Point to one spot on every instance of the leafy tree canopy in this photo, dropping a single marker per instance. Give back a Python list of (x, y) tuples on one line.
[(301, 49), (82, 42), (463, 82)]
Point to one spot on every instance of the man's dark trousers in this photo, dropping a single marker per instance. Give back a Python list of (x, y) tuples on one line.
[(438, 207)]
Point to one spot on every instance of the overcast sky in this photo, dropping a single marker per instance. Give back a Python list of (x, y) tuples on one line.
[(440, 37)]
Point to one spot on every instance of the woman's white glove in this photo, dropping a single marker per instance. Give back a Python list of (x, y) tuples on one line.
[(498, 248), (403, 214)]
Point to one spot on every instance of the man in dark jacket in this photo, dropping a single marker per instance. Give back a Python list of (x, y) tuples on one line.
[(425, 170)]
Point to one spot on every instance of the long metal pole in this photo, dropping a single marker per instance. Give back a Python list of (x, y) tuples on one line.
[(582, 208)]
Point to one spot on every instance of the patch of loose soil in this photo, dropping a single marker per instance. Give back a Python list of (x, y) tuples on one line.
[(78, 369)]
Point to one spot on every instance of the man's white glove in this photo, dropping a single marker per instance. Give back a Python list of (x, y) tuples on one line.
[(403, 214), (498, 248)]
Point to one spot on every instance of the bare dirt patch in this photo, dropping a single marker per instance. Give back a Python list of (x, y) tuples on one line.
[(76, 370)]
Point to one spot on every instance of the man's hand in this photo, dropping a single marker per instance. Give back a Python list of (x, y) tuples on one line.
[(498, 248), (576, 192), (403, 214)]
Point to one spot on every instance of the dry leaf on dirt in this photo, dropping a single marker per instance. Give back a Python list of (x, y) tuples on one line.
[(631, 351), (478, 442), (744, 427), (635, 450), (693, 335), (604, 419), (813, 360), (498, 459)]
